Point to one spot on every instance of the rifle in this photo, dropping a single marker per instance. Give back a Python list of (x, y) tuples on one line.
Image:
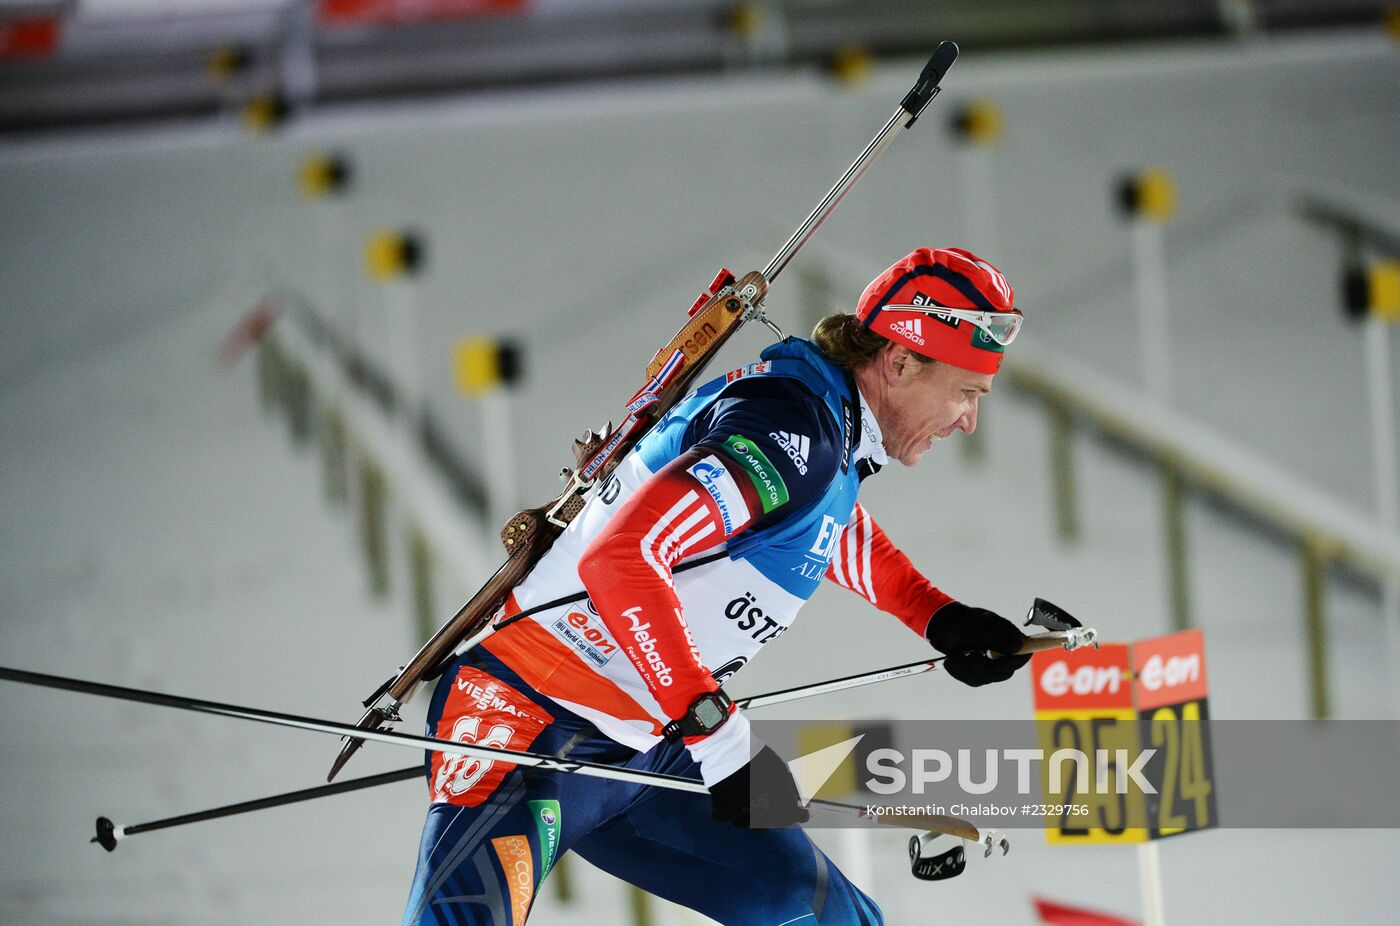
[(728, 304)]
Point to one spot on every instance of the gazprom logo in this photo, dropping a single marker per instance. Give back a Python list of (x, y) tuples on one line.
[(706, 472), (722, 488)]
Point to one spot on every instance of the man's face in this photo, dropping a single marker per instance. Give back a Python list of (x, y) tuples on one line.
[(927, 402)]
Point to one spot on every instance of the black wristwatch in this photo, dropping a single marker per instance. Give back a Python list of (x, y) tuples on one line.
[(704, 716)]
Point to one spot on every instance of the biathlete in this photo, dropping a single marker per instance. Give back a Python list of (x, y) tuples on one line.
[(697, 550)]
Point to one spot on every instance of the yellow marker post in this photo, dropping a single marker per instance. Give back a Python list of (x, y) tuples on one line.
[(1390, 20), (978, 122), (481, 366), (977, 127), (1383, 290), (264, 112), (476, 366), (227, 62), (391, 254), (852, 64), (1374, 295), (323, 174), (1150, 195), (1148, 200), (745, 20)]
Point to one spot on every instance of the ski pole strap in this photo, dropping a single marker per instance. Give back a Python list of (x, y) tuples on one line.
[(938, 867)]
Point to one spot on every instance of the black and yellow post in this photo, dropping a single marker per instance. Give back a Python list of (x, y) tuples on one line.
[(1372, 291), (745, 20), (1147, 200), (1148, 195), (264, 113), (755, 33), (851, 65), (395, 259), (976, 126), (977, 122), (1371, 297), (227, 63), (483, 365), (323, 174), (483, 369), (324, 178), (393, 254)]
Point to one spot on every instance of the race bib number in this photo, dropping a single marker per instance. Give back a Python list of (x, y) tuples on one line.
[(484, 711)]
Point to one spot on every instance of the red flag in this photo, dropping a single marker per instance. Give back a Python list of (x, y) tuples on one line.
[(1058, 914), (389, 12), (30, 37)]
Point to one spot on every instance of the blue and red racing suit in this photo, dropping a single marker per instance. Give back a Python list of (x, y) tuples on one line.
[(699, 548)]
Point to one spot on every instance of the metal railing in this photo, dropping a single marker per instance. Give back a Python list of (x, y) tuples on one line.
[(1192, 461)]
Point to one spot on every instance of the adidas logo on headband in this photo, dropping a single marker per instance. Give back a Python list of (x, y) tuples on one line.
[(913, 329)]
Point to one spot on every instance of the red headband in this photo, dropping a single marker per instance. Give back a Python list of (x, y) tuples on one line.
[(949, 277)]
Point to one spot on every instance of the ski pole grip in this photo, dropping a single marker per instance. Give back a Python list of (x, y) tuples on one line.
[(926, 88)]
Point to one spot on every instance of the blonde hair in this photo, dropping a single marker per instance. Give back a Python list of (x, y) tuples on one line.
[(849, 344)]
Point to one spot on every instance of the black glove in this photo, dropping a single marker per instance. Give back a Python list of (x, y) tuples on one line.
[(967, 634), (761, 795)]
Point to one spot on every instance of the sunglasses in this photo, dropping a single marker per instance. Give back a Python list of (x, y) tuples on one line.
[(1001, 327)]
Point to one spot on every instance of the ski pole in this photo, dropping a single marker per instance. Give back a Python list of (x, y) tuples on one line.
[(109, 833), (317, 725), (936, 824)]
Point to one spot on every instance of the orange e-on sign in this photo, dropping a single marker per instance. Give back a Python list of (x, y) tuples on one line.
[(1086, 679), (1110, 705)]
